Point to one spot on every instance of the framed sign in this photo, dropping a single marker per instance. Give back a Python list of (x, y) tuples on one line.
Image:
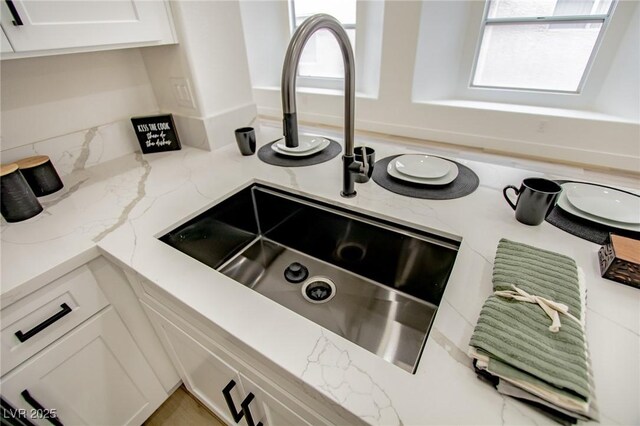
[(156, 133)]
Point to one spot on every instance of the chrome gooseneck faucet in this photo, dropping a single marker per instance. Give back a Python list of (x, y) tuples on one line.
[(351, 167)]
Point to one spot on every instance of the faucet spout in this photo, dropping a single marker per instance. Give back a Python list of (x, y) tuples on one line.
[(289, 73)]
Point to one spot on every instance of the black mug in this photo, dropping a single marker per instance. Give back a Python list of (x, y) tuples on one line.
[(371, 158), (246, 139), (536, 198)]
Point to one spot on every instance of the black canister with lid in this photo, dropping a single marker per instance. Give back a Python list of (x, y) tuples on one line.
[(40, 175), (17, 202)]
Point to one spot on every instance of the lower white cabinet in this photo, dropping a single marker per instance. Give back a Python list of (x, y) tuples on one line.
[(94, 375), (5, 46), (209, 377), (267, 407)]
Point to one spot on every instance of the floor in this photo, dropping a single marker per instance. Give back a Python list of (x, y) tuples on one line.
[(183, 409)]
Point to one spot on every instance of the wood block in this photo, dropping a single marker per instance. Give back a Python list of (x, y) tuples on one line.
[(620, 260)]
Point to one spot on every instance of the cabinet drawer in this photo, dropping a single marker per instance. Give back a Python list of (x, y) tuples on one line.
[(37, 320)]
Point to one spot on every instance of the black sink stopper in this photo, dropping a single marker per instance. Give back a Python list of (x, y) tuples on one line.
[(296, 273)]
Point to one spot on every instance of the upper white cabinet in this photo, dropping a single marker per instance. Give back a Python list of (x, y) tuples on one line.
[(53, 25)]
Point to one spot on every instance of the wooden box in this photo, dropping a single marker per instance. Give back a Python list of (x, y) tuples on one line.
[(620, 260)]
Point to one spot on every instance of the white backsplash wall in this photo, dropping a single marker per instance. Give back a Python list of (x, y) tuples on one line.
[(74, 108), (81, 149)]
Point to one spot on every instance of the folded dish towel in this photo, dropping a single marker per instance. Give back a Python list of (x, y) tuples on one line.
[(531, 330)]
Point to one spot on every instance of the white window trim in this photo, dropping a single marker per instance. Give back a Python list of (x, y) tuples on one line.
[(603, 19), (448, 79), (317, 82)]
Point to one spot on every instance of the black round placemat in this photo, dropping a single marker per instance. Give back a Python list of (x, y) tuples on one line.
[(584, 228), (268, 155), (464, 184)]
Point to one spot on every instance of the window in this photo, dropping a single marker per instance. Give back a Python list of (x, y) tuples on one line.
[(542, 45), (321, 59)]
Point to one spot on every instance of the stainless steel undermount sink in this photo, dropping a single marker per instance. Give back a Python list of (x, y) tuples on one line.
[(375, 283)]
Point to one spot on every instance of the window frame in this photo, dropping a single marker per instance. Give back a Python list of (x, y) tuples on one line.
[(315, 81), (584, 19)]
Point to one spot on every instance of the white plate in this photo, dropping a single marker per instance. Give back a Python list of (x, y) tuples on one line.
[(325, 143), (448, 178), (607, 203), (305, 143), (422, 166), (565, 205)]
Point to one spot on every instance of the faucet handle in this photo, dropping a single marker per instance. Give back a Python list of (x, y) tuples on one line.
[(364, 169)]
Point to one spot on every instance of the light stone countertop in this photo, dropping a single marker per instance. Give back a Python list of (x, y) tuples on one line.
[(121, 206)]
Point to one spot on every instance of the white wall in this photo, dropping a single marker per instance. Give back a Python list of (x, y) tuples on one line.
[(212, 58), (438, 62), (596, 134), (47, 97), (52, 96), (266, 31), (621, 88)]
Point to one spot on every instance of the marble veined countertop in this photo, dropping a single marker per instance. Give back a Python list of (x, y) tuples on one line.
[(121, 206)]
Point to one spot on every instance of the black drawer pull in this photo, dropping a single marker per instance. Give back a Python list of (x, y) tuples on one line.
[(23, 337), (17, 21), (37, 406), (245, 411)]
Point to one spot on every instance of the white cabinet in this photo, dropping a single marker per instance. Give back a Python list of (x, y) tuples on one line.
[(65, 347), (268, 408), (85, 25), (5, 46), (206, 374), (92, 375), (37, 320)]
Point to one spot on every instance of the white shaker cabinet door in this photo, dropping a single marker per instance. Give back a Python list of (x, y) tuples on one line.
[(95, 375), (207, 369), (270, 411), (203, 373), (5, 46), (32, 25)]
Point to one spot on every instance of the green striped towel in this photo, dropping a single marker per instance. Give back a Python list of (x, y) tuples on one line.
[(513, 338)]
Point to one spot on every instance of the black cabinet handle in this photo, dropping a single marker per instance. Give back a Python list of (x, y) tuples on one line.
[(13, 416), (232, 407), (23, 337), (245, 411), (17, 21), (37, 406)]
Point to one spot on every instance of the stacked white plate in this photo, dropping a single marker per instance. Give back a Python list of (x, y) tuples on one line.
[(601, 204), (423, 169), (307, 145)]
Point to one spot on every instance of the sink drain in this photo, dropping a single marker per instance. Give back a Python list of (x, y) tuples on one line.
[(318, 290), (351, 252)]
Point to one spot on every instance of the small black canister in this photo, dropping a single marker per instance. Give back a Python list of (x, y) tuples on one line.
[(40, 175), (17, 202)]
